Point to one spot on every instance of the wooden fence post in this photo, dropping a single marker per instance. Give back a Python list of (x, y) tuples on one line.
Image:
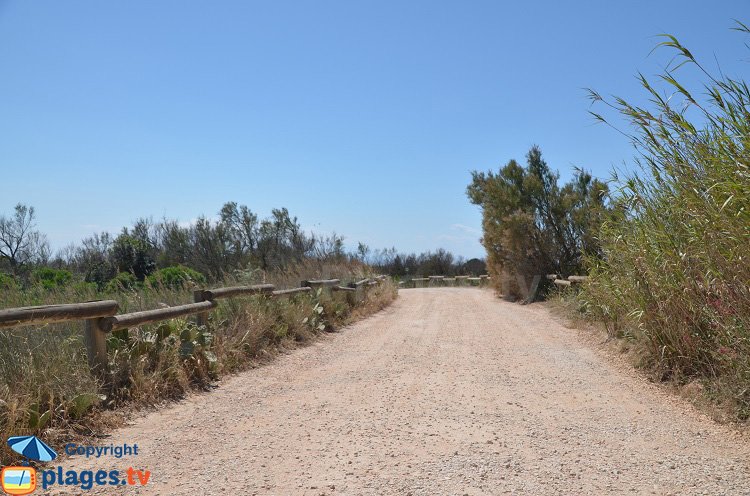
[(201, 319), (96, 348)]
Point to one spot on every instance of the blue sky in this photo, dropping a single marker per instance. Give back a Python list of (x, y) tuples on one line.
[(363, 118)]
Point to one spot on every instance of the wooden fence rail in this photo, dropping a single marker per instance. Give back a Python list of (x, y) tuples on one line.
[(562, 283), (481, 280), (212, 294), (128, 320), (359, 283), (321, 283), (343, 288), (57, 313), (570, 281), (100, 317), (292, 291), (441, 280)]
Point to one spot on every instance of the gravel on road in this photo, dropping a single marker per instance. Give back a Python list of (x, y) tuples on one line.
[(449, 391)]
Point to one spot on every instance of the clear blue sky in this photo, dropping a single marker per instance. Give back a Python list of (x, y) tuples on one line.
[(360, 117)]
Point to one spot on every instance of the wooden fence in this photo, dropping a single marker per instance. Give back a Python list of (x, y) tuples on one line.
[(100, 317), (566, 282), (438, 281), (443, 281)]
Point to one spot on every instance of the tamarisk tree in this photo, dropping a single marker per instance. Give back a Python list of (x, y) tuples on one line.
[(531, 225)]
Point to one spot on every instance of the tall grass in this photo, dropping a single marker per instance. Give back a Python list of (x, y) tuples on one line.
[(45, 384), (675, 275)]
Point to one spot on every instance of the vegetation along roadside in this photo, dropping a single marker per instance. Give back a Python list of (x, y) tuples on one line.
[(666, 244), (45, 382)]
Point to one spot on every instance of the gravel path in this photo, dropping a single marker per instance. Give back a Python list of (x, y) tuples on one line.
[(447, 392)]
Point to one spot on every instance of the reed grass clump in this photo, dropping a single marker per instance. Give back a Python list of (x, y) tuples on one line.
[(674, 277)]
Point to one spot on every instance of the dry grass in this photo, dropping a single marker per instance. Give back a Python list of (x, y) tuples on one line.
[(674, 278), (46, 387), (704, 393)]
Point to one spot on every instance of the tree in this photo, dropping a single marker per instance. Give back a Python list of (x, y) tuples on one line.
[(93, 259), (212, 248), (329, 247), (438, 263), (132, 254), (241, 226), (173, 243), (531, 226), (363, 251), (474, 267), (282, 241), (20, 243), (398, 267)]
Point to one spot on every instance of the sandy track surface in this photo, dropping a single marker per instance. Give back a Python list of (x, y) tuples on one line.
[(448, 391)]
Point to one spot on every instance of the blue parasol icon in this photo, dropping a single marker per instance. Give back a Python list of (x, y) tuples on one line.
[(32, 447)]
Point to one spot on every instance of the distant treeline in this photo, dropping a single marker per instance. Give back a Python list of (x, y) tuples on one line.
[(440, 262), (168, 251), (212, 249)]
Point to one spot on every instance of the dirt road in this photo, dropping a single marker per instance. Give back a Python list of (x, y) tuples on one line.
[(448, 391)]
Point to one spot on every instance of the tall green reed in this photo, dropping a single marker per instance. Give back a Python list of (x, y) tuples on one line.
[(675, 276)]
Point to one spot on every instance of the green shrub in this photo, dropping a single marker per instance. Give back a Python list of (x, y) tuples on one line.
[(131, 254), (7, 282), (176, 277), (50, 278), (123, 281)]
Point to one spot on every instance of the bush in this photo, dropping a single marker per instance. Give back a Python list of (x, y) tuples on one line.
[(531, 226), (124, 281), (50, 278), (675, 276), (176, 277), (131, 254)]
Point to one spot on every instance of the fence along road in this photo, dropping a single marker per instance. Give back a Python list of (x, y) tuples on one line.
[(99, 317), (443, 281), (447, 391)]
